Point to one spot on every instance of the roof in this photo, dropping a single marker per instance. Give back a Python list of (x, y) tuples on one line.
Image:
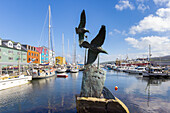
[(4, 45), (5, 40)]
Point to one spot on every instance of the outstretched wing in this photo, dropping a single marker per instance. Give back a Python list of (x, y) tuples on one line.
[(91, 56), (81, 38), (107, 94), (99, 39), (82, 20)]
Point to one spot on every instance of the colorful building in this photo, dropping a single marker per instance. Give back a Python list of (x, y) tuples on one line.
[(60, 60), (52, 57), (12, 52), (33, 56), (43, 51)]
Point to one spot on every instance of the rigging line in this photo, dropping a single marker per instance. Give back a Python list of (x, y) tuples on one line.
[(40, 41), (52, 33), (53, 40)]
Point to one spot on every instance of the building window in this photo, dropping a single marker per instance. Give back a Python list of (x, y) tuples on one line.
[(19, 46), (24, 59), (10, 44), (29, 53), (37, 54), (0, 50), (29, 59), (18, 53), (34, 54), (10, 51), (10, 58), (23, 54), (0, 57), (37, 59)]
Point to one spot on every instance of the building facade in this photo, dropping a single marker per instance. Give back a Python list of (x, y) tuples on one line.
[(43, 51), (12, 52), (33, 56), (52, 57), (60, 60)]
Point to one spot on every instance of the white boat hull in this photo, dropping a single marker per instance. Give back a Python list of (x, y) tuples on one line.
[(156, 75), (74, 70), (8, 83), (43, 75)]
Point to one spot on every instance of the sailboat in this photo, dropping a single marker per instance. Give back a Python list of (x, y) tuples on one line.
[(45, 71), (61, 70), (74, 68)]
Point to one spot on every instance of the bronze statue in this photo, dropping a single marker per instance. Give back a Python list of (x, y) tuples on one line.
[(95, 46), (94, 97), (81, 30), (93, 78)]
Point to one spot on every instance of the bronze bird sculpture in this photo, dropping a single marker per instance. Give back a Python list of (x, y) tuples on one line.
[(81, 30), (95, 45)]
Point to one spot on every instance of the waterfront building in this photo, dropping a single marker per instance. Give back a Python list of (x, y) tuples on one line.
[(60, 60), (52, 57), (12, 52), (33, 56), (43, 51)]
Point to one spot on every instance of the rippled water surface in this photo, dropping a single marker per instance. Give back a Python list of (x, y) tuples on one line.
[(141, 95)]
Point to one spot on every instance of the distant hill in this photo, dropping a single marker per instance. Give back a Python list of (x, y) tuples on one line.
[(160, 59), (164, 58)]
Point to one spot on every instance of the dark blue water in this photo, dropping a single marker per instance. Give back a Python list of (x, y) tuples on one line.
[(55, 95)]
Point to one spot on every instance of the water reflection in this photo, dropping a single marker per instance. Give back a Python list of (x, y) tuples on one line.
[(149, 94), (41, 83), (13, 97), (74, 75), (141, 95), (154, 82)]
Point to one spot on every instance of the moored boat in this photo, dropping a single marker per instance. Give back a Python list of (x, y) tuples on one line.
[(64, 75), (61, 69), (40, 73), (156, 72), (7, 81), (74, 69)]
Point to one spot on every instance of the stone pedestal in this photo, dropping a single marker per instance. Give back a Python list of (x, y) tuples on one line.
[(99, 105), (92, 82)]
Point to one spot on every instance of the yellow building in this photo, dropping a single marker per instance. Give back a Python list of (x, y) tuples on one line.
[(60, 60)]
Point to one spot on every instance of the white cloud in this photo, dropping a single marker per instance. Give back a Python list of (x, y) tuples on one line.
[(142, 7), (132, 41), (124, 4), (111, 33), (159, 45), (117, 31), (163, 12), (140, 1), (158, 23), (162, 2)]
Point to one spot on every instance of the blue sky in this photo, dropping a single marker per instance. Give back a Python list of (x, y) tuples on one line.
[(131, 25)]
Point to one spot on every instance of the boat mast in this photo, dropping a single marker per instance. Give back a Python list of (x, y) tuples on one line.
[(68, 52), (74, 49), (63, 47), (49, 32), (149, 54)]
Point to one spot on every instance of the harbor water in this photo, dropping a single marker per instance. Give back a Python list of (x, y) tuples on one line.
[(55, 95)]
